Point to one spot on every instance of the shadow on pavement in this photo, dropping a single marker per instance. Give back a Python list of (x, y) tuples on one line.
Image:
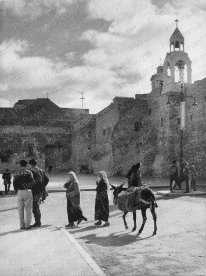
[(91, 227), (113, 208), (23, 230), (165, 197), (113, 239)]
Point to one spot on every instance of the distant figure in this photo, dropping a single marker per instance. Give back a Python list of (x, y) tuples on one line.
[(74, 210), (23, 182), (102, 199), (7, 181), (174, 175), (186, 175), (193, 173), (38, 190), (134, 176)]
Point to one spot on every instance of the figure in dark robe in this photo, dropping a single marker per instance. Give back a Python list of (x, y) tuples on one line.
[(102, 200), (7, 181), (134, 176), (74, 210)]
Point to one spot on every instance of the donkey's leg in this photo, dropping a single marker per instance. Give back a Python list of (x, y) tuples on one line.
[(134, 219), (144, 217), (154, 218), (124, 218)]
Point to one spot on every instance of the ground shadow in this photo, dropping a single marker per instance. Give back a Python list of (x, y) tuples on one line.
[(23, 230), (88, 228), (165, 197), (113, 208), (113, 239)]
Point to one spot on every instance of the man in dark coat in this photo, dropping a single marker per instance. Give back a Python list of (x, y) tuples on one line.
[(38, 190), (134, 176), (7, 180)]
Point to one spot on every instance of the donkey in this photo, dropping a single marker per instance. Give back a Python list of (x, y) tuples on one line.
[(147, 200)]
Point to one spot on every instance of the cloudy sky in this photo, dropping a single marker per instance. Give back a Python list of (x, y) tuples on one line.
[(104, 48)]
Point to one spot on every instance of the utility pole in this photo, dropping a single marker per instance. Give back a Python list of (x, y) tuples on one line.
[(182, 127)]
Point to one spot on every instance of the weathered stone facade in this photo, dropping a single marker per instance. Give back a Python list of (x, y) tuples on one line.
[(146, 129), (39, 129)]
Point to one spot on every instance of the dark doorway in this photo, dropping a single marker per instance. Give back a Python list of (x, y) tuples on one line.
[(50, 168), (84, 169)]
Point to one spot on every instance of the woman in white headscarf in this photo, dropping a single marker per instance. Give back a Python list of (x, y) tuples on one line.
[(73, 201), (102, 200)]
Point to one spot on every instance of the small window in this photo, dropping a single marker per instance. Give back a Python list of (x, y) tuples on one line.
[(162, 122), (137, 126), (104, 131), (150, 112), (89, 148), (178, 121), (89, 134), (5, 156)]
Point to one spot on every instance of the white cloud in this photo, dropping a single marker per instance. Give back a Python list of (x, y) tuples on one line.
[(4, 103), (139, 28), (35, 8), (122, 59), (24, 73)]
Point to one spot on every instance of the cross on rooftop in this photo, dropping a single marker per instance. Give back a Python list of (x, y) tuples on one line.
[(82, 98), (176, 20)]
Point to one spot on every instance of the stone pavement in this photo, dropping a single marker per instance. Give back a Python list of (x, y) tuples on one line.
[(48, 250)]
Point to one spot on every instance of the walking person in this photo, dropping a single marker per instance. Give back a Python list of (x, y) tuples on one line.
[(38, 190), (174, 175), (186, 176), (7, 181), (193, 177), (134, 176), (102, 200), (23, 182), (74, 210)]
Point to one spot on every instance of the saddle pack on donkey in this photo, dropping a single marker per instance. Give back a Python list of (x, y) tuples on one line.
[(131, 200)]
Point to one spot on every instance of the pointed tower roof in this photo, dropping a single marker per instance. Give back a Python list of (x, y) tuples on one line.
[(177, 36)]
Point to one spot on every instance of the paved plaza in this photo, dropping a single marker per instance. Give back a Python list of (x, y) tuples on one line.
[(177, 249)]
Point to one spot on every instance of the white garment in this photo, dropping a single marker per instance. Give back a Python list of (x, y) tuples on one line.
[(25, 203)]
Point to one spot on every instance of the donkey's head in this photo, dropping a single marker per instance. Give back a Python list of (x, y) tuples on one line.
[(117, 190)]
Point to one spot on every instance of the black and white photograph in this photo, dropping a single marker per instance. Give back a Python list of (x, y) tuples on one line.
[(102, 137)]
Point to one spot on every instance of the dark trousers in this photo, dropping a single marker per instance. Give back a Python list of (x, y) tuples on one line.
[(36, 210), (7, 188), (174, 178)]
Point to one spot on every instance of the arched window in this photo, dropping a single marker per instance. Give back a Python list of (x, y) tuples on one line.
[(177, 44), (162, 121), (168, 70), (137, 126)]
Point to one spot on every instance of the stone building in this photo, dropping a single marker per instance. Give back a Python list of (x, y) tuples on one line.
[(40, 129), (146, 128)]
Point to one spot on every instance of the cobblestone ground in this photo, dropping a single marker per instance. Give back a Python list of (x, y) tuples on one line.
[(179, 248)]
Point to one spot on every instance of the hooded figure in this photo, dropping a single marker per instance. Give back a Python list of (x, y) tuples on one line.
[(102, 200), (134, 176), (74, 210)]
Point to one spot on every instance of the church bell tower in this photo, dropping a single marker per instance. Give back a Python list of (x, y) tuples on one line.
[(176, 68), (177, 65)]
